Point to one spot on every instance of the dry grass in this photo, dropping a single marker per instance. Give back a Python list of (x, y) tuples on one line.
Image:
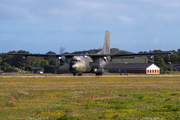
[(90, 98)]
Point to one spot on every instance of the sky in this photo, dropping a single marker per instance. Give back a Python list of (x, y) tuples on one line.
[(135, 25)]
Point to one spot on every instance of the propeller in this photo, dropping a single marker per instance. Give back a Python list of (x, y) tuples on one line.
[(107, 59), (61, 58), (62, 49)]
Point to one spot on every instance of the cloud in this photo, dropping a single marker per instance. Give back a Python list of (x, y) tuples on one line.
[(3, 38), (112, 12), (67, 30), (36, 11), (172, 4), (168, 17), (16, 13), (125, 20), (93, 6), (156, 41)]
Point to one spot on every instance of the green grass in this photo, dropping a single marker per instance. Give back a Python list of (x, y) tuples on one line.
[(90, 98)]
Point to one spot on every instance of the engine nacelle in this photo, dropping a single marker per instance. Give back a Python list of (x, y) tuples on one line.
[(107, 59), (62, 58), (98, 70)]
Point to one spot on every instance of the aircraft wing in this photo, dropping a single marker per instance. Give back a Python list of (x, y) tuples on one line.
[(118, 56), (94, 56), (44, 55)]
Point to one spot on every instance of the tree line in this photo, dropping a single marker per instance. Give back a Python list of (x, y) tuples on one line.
[(14, 63), (162, 60), (10, 63)]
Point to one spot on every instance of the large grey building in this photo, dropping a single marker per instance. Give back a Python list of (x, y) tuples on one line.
[(143, 59), (131, 60)]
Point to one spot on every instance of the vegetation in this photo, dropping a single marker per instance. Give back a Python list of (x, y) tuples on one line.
[(11, 63), (162, 60), (77, 98)]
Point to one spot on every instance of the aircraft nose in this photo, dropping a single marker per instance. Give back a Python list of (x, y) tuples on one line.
[(73, 67)]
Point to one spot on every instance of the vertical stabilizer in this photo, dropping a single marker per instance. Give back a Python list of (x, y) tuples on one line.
[(106, 48)]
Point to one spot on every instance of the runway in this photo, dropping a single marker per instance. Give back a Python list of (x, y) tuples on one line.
[(96, 76)]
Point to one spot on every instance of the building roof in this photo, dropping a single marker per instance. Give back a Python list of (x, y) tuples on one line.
[(128, 65), (153, 67)]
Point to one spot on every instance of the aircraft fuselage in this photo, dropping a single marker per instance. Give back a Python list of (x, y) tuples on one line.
[(79, 64), (85, 64)]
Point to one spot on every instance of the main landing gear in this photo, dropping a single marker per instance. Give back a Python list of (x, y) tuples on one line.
[(100, 74), (77, 74)]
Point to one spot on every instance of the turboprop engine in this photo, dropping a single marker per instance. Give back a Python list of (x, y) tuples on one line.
[(62, 58), (59, 60), (107, 59)]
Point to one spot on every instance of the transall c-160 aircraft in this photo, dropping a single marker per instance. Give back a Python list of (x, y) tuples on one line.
[(90, 63)]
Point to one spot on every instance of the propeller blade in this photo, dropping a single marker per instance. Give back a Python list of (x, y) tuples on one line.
[(62, 49)]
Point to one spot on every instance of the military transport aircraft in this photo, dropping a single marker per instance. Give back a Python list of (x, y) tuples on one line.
[(90, 63)]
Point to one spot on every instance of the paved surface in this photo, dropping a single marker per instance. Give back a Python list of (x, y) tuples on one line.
[(103, 76)]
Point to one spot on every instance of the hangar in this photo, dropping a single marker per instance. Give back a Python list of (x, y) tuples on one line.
[(144, 68), (174, 66)]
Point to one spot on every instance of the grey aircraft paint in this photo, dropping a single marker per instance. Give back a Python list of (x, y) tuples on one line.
[(86, 64)]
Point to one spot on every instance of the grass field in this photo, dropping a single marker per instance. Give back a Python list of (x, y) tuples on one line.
[(150, 98)]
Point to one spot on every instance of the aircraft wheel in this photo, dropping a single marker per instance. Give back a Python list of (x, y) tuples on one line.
[(79, 74), (97, 74), (100, 73), (74, 74)]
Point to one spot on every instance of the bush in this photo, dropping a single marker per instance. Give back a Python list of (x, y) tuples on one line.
[(12, 69)]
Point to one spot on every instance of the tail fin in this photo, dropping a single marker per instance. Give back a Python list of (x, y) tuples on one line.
[(106, 48)]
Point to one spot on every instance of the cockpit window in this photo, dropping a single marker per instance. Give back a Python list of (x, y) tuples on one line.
[(74, 61)]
